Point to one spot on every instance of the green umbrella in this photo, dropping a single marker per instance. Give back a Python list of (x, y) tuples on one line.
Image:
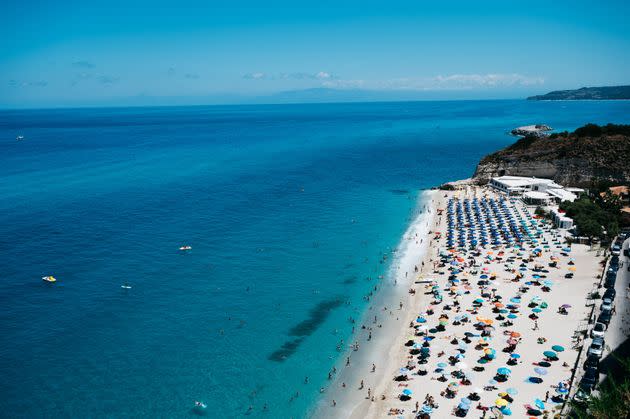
[(550, 354), (558, 348)]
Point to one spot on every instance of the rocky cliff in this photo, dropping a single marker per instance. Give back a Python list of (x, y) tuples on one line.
[(572, 159)]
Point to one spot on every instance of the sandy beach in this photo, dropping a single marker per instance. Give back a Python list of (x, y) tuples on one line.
[(498, 308)]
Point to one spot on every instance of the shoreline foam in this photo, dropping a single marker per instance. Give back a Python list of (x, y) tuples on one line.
[(394, 288)]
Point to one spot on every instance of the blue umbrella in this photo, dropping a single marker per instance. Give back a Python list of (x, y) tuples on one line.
[(506, 411), (512, 391), (536, 310), (540, 371), (503, 371), (557, 348), (442, 365), (427, 409), (512, 316), (463, 406), (407, 392), (515, 356), (539, 404)]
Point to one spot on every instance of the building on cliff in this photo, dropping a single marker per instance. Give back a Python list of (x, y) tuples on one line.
[(535, 191)]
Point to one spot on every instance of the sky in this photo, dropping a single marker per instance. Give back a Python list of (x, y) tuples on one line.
[(108, 53)]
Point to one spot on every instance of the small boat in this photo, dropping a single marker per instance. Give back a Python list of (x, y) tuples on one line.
[(49, 278), (184, 248), (200, 405), (19, 137), (126, 286)]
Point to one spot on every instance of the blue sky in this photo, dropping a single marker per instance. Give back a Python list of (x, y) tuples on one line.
[(74, 53)]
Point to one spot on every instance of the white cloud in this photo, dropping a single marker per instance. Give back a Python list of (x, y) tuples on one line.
[(321, 75), (487, 80), (344, 84), (439, 82), (255, 76)]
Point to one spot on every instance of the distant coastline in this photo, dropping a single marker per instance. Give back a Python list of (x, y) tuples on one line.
[(587, 93)]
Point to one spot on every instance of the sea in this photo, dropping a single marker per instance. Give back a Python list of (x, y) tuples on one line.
[(293, 214)]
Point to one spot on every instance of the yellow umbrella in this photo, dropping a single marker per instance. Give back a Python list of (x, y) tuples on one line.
[(572, 268), (501, 402)]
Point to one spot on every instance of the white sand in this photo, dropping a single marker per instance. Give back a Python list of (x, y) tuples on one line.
[(388, 352)]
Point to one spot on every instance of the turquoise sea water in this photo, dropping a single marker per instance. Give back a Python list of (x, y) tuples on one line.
[(289, 210)]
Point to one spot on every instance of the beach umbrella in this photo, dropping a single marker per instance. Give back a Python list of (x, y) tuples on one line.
[(558, 348), (463, 406), (504, 371), (506, 411), (540, 371), (407, 392), (550, 354), (442, 365), (512, 391), (536, 310), (512, 316), (427, 409), (501, 402), (539, 404), (566, 306), (515, 356), (535, 380)]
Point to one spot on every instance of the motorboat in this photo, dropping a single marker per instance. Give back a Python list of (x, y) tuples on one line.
[(19, 137), (185, 248), (49, 278)]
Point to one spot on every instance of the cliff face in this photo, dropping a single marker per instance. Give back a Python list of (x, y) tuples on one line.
[(570, 160)]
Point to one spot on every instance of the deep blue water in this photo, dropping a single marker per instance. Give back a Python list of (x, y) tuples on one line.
[(288, 209)]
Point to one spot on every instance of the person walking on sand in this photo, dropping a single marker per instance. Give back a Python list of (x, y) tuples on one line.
[(535, 325), (373, 367), (546, 396)]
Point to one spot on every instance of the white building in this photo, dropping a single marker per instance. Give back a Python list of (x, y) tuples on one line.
[(535, 191), (561, 220), (517, 185), (537, 198)]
